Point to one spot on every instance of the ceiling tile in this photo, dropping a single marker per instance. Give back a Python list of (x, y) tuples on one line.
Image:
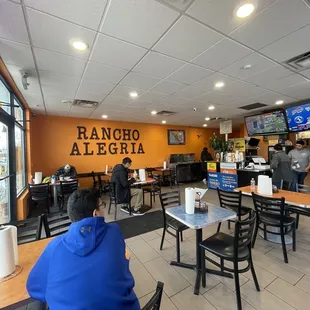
[(33, 100), (12, 29), (209, 81), (54, 84), (289, 16), (57, 113), (270, 98), (191, 92), (158, 65), (299, 91), (258, 63), (85, 13), (286, 81), (80, 112), (14, 53), (167, 87), (103, 73), (53, 103), (289, 46), (139, 81), (116, 53), (222, 54), (139, 104), (141, 22), (189, 74), (190, 34), (57, 34), (220, 14), (174, 100), (306, 73), (59, 63), (216, 97), (123, 91), (93, 90), (114, 101), (181, 5), (152, 97)]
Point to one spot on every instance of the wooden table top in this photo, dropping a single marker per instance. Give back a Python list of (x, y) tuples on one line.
[(14, 290), (301, 200)]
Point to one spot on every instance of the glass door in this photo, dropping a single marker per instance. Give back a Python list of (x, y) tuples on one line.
[(7, 169)]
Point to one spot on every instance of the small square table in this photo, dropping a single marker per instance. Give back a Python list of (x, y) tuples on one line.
[(198, 221)]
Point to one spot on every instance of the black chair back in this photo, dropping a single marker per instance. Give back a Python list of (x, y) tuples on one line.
[(28, 230), (230, 200), (112, 191), (169, 199), (68, 187), (39, 191), (155, 301), (149, 172), (56, 223), (269, 207), (300, 188), (285, 185), (94, 179), (243, 234)]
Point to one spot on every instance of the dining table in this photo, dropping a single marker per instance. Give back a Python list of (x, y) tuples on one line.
[(292, 199), (198, 221)]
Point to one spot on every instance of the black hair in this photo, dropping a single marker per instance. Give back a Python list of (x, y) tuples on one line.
[(127, 160), (301, 142), (205, 149), (82, 203), (278, 147)]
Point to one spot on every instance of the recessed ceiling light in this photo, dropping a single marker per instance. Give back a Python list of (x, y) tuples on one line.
[(163, 122), (133, 94), (153, 112), (245, 67), (245, 10), (104, 116), (279, 102), (207, 118), (79, 45), (205, 125), (211, 107), (219, 84)]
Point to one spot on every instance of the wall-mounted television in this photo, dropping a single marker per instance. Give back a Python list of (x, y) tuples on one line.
[(298, 117), (270, 123)]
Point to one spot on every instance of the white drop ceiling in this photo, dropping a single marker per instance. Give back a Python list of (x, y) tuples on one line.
[(171, 52)]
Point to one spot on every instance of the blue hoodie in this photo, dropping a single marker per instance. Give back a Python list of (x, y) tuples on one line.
[(85, 268)]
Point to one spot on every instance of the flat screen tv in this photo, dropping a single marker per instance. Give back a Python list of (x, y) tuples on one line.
[(270, 123), (298, 117)]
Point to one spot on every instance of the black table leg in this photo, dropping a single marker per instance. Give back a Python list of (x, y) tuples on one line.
[(198, 261)]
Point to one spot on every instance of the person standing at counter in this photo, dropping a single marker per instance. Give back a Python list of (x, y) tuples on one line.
[(300, 161), (204, 157), (281, 166)]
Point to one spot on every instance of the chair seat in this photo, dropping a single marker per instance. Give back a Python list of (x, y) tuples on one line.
[(274, 221), (301, 211), (243, 210), (151, 189), (222, 245), (175, 224)]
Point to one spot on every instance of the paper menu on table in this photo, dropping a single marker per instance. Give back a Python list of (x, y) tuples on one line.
[(201, 191)]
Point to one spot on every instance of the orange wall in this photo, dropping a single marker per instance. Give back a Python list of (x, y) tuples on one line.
[(53, 138)]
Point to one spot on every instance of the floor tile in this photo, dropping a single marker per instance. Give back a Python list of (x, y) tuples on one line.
[(166, 303), (168, 252), (144, 282), (292, 295), (262, 245), (262, 300), (187, 300), (167, 236), (129, 240), (162, 271), (188, 248), (263, 276), (301, 253), (142, 250), (150, 236), (304, 284), (223, 298), (283, 271)]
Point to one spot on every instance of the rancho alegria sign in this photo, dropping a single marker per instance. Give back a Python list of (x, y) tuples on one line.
[(105, 141)]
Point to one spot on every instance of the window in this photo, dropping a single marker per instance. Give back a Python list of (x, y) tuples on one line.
[(20, 159), (5, 98)]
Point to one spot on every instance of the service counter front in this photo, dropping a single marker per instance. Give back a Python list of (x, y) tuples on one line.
[(188, 172), (245, 176)]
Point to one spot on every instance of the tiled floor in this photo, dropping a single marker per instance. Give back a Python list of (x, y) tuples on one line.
[(283, 286)]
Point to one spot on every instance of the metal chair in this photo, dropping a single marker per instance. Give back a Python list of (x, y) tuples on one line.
[(232, 201), (56, 224), (287, 186), (155, 301), (28, 230), (95, 182), (172, 199), (66, 189), (154, 189), (300, 188), (39, 192), (114, 200), (234, 249), (272, 212)]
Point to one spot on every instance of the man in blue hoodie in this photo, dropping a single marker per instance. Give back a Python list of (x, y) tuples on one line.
[(86, 267)]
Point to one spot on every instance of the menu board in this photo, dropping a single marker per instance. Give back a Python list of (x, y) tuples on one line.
[(298, 117)]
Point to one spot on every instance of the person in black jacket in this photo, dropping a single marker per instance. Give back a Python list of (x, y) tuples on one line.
[(205, 156), (120, 176)]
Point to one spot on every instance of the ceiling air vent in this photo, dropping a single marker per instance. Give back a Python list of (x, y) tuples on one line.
[(85, 103), (253, 106), (166, 113), (299, 63), (216, 119)]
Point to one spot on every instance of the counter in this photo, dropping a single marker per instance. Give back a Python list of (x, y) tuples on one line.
[(245, 175)]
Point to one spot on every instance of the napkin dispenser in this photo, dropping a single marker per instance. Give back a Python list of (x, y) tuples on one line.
[(264, 185), (142, 175)]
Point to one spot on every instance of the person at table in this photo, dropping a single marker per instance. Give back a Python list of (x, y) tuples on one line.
[(300, 160), (281, 166), (66, 171), (86, 267), (120, 176)]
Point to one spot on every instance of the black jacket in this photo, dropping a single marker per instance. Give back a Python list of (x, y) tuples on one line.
[(206, 156), (122, 184), (281, 165)]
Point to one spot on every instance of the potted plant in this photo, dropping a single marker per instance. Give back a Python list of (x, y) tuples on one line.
[(219, 145)]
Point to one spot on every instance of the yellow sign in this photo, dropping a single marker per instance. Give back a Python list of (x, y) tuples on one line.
[(239, 145), (273, 142), (211, 167)]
